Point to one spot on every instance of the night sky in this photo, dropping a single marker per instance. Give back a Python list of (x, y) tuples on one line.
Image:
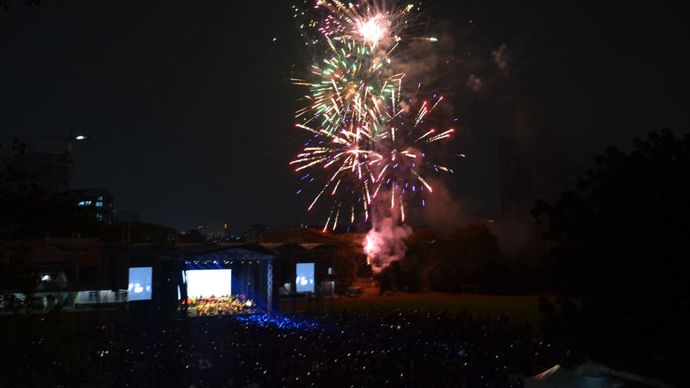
[(190, 108)]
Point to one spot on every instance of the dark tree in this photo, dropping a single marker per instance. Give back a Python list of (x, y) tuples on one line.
[(622, 250), (5, 4), (467, 257)]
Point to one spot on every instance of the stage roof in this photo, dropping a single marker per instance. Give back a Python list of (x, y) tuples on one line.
[(244, 252)]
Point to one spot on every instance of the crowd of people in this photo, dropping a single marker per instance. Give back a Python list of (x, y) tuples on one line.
[(219, 305), (402, 348)]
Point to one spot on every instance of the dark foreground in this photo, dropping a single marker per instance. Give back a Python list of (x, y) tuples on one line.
[(353, 349)]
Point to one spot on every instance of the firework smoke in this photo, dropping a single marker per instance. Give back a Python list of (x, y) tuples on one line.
[(500, 58), (385, 241)]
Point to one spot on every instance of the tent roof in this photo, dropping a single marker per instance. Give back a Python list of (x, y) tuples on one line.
[(558, 377)]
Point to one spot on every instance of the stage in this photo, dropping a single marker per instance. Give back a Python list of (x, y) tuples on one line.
[(227, 281)]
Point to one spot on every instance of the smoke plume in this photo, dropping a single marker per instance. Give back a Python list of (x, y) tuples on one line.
[(474, 83), (385, 242), (500, 57)]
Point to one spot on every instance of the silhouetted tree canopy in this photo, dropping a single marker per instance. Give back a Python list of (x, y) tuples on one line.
[(5, 4), (469, 256), (622, 246)]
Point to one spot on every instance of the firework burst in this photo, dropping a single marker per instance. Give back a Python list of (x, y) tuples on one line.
[(370, 22), (366, 140)]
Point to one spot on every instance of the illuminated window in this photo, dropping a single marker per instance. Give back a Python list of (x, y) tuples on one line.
[(99, 204)]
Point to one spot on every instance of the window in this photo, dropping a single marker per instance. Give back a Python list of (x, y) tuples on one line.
[(99, 204), (84, 203)]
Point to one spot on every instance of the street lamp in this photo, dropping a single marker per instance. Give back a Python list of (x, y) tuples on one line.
[(76, 138)]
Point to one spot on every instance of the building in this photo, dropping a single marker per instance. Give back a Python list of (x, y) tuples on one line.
[(99, 201), (515, 178), (50, 170), (531, 168), (213, 230), (78, 274)]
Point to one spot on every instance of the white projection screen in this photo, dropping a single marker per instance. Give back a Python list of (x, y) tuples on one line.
[(139, 287), (305, 277), (203, 283)]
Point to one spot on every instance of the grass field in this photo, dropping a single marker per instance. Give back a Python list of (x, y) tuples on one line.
[(519, 307)]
